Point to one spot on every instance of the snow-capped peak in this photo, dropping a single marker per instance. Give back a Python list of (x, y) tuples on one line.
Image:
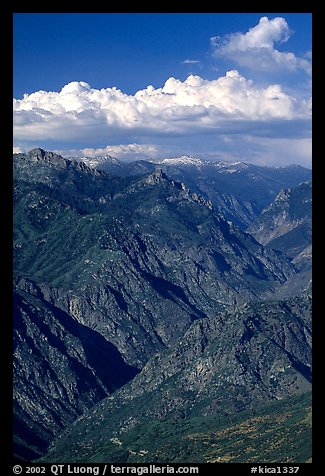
[(230, 167), (99, 161), (181, 160)]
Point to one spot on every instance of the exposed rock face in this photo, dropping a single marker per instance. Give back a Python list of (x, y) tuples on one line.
[(61, 368), (118, 269), (239, 191), (259, 352), (286, 224), (145, 264)]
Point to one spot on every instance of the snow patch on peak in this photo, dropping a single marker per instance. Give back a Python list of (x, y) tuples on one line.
[(182, 160), (99, 161), (230, 167)]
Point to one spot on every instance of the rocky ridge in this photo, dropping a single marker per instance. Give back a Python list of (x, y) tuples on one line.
[(132, 262), (286, 224), (61, 368), (259, 352), (239, 191)]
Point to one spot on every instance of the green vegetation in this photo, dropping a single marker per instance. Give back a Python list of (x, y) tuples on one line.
[(279, 432), (64, 239), (275, 433), (141, 261)]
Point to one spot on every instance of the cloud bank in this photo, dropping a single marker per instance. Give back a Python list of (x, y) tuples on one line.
[(121, 151), (256, 48), (81, 113), (230, 117)]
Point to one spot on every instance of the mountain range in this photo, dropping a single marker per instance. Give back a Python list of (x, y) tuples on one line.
[(238, 190), (137, 297), (286, 224), (222, 366)]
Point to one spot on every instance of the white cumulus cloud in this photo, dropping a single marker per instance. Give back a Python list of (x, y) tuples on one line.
[(81, 113), (122, 151), (256, 48), (182, 117), (17, 150)]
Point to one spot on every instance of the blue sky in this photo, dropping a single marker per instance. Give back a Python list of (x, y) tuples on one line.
[(140, 85)]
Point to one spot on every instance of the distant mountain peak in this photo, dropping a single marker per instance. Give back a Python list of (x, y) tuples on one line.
[(37, 152), (180, 160), (191, 161), (283, 195), (54, 160), (286, 223), (157, 176), (41, 154), (99, 161)]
